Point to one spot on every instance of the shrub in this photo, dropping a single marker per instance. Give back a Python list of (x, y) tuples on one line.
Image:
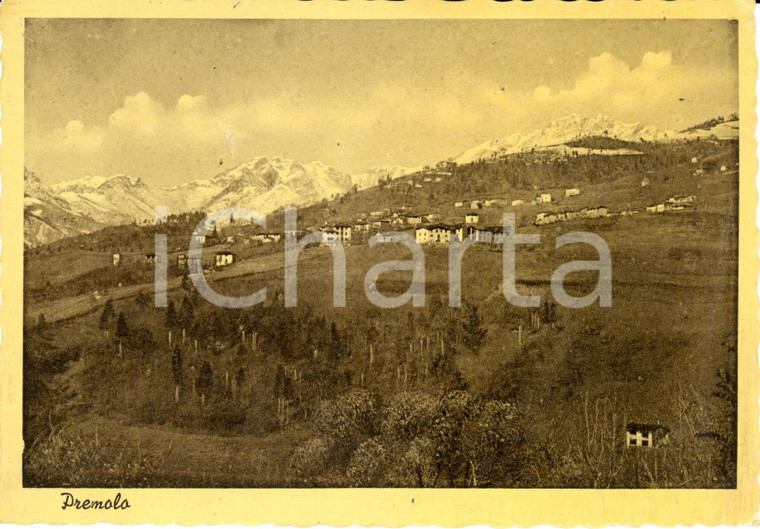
[(408, 415), (310, 458), (367, 465)]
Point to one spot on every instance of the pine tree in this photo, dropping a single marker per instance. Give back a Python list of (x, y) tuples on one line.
[(336, 344), (122, 330), (107, 314), (177, 365), (205, 379), (186, 313), (472, 331), (171, 316)]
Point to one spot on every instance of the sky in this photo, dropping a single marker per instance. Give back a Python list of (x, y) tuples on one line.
[(176, 100)]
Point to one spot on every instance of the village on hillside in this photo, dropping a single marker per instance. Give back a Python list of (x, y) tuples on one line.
[(472, 219)]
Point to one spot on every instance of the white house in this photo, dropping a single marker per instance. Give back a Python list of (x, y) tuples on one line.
[(414, 220), (437, 233), (475, 204), (471, 218), (518, 202), (544, 198), (329, 235), (422, 235), (694, 160), (224, 258), (116, 259), (339, 232), (441, 233), (458, 204), (572, 192)]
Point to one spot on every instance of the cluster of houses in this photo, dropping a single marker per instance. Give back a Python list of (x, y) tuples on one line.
[(550, 217), (480, 204), (444, 234), (675, 203), (541, 198)]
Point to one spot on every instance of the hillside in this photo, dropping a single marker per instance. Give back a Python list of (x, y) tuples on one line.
[(361, 396)]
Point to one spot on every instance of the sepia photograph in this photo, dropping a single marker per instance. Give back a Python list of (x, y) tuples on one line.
[(324, 253)]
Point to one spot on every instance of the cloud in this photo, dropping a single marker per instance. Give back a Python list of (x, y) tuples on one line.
[(648, 92), (415, 124)]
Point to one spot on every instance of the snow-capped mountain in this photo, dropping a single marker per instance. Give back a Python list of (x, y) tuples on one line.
[(724, 130), (263, 184), (48, 217), (374, 174), (115, 199), (564, 130)]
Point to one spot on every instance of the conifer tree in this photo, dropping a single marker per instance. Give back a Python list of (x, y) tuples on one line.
[(122, 329), (107, 314)]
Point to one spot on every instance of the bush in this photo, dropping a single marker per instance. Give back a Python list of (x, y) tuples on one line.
[(408, 415), (368, 464), (310, 459)]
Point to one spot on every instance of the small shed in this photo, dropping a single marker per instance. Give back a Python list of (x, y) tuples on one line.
[(224, 258), (116, 259)]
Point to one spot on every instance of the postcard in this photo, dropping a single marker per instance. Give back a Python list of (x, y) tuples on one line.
[(379, 263)]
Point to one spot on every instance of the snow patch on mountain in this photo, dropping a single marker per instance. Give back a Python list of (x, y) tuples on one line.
[(375, 174), (564, 130)]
